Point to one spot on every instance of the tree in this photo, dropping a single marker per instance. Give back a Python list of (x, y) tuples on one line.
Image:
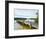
[(36, 20)]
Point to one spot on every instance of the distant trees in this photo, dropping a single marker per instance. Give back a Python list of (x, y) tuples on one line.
[(19, 18)]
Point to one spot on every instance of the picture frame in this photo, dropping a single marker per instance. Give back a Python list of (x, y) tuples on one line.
[(8, 8)]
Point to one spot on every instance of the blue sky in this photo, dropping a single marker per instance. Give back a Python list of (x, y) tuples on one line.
[(25, 13)]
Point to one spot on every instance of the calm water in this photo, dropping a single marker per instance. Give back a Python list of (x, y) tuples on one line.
[(16, 25)]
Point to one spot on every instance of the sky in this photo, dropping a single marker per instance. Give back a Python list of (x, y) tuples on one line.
[(25, 13)]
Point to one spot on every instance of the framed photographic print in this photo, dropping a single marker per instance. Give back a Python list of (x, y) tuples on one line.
[(24, 19)]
